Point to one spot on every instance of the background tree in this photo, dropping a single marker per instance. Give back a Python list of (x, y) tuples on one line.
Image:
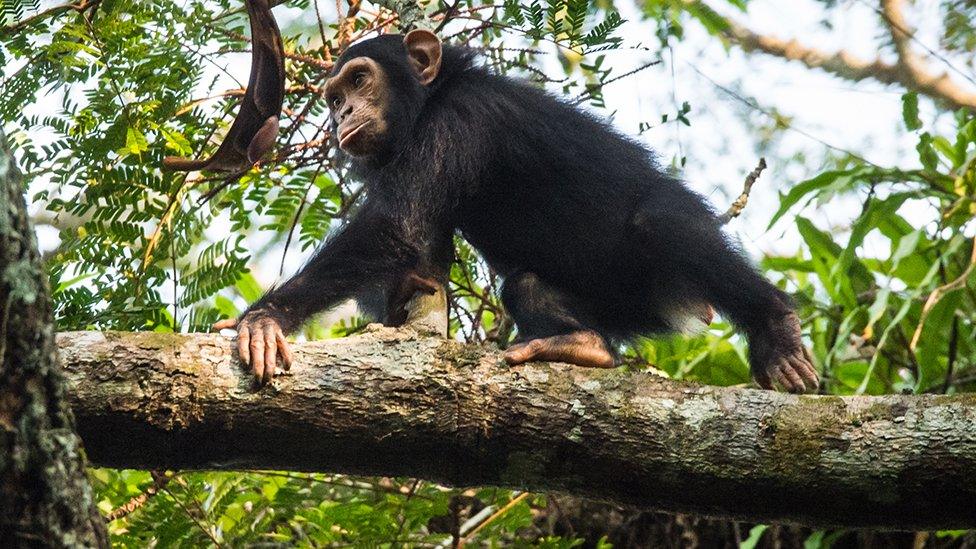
[(45, 496), (96, 92)]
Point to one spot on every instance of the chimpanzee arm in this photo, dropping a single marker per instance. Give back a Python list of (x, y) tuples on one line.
[(372, 249)]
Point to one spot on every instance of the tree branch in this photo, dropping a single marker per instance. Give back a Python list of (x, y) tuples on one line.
[(740, 203), (911, 71), (393, 403), (54, 11), (915, 70)]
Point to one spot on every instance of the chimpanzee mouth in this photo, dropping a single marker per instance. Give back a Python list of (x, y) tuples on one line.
[(345, 136)]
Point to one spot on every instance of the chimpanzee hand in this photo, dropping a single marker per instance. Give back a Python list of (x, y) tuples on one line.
[(260, 342), (779, 355)]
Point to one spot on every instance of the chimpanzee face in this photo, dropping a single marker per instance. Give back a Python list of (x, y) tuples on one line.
[(359, 96), (371, 95)]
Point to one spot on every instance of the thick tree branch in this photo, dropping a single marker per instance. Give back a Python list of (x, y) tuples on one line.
[(394, 403), (917, 74), (911, 70)]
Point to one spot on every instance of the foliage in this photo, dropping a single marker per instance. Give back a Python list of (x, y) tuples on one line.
[(197, 509), (959, 34), (95, 97), (903, 321)]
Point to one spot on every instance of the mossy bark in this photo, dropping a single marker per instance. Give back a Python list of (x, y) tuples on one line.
[(45, 498), (391, 402)]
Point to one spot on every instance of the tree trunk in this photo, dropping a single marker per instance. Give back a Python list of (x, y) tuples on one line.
[(45, 497), (393, 403)]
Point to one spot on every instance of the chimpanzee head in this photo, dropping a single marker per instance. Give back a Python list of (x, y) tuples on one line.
[(377, 90)]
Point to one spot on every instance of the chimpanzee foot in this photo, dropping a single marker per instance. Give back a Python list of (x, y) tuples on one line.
[(582, 348), (794, 373), (784, 359)]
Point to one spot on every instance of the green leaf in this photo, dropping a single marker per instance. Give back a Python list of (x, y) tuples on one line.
[(934, 340), (713, 22), (878, 210), (926, 153), (177, 142), (948, 151), (909, 111), (249, 288), (135, 142), (815, 540), (754, 535), (804, 188), (825, 253)]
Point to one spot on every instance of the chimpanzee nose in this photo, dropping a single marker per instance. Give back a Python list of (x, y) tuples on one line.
[(346, 111)]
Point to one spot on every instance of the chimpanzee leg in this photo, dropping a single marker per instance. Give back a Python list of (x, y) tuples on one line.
[(401, 293), (551, 326)]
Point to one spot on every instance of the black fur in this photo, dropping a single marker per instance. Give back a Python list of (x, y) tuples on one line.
[(588, 231)]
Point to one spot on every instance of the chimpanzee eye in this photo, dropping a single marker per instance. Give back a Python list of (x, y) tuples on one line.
[(360, 79), (335, 101)]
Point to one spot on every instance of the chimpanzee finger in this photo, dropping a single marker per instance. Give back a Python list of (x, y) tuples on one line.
[(783, 381), (763, 380), (788, 379), (796, 382), (225, 324), (270, 352), (244, 343), (257, 353), (805, 368), (809, 361), (284, 349)]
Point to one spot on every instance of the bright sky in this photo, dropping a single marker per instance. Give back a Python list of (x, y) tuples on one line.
[(864, 118)]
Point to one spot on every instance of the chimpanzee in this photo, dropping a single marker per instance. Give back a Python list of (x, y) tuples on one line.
[(596, 244)]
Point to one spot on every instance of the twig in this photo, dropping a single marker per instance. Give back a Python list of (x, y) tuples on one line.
[(160, 480), (294, 56), (939, 293), (448, 14), (295, 220), (239, 92), (588, 93), (228, 181), (779, 120), (54, 11), (348, 23), (403, 514), (203, 528), (318, 21), (910, 70), (740, 203), (515, 501)]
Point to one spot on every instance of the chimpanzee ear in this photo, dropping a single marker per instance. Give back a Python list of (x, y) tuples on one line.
[(424, 52)]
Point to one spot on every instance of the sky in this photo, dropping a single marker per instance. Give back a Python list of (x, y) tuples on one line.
[(864, 118)]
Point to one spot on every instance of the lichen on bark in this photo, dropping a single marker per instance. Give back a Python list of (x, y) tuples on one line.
[(393, 402)]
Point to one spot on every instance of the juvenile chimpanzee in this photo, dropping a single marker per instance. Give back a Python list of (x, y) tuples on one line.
[(596, 244)]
